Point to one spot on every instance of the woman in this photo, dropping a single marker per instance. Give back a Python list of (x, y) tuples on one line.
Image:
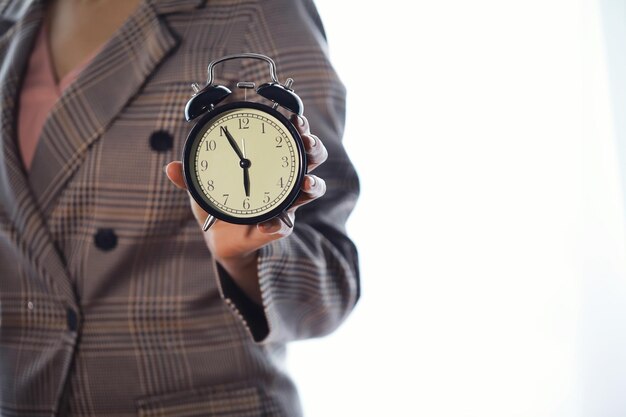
[(112, 299)]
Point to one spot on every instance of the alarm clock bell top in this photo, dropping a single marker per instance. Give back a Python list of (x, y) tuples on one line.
[(283, 96), (205, 100)]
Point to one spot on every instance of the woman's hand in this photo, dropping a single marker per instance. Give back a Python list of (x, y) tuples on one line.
[(235, 246)]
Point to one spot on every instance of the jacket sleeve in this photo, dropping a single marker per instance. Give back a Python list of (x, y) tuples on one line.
[(7, 16), (309, 280)]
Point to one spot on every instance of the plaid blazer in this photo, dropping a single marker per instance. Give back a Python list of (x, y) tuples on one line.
[(110, 301)]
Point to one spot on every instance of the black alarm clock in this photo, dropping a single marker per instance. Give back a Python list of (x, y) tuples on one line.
[(244, 162)]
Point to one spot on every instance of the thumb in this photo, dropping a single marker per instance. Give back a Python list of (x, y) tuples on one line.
[(174, 171)]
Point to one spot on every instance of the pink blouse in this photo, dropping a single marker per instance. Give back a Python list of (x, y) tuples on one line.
[(40, 91)]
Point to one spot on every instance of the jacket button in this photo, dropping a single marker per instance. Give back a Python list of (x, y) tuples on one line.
[(161, 141), (105, 239), (72, 320)]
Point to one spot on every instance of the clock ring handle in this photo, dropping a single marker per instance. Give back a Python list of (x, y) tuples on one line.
[(245, 55)]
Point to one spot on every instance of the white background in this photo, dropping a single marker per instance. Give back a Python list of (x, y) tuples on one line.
[(491, 275)]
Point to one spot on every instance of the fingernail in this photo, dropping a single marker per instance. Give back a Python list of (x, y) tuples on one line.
[(270, 226), (165, 168), (300, 121), (312, 182), (313, 141)]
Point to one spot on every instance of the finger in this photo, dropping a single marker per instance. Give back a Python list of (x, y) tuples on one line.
[(316, 152), (301, 123), (313, 188), (315, 149), (276, 228), (174, 171)]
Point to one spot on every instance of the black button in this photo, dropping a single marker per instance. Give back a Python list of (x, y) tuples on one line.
[(72, 320), (161, 141), (105, 239)]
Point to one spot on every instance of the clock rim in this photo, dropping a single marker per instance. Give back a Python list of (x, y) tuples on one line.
[(215, 113)]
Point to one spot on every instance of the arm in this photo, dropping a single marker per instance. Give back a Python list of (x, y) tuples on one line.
[(294, 284)]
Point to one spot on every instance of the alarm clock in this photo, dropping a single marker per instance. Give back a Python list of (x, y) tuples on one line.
[(244, 162)]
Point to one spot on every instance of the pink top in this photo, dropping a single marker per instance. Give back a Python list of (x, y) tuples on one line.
[(39, 93)]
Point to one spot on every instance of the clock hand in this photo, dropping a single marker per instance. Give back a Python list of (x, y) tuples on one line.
[(245, 164), (232, 142), (246, 181)]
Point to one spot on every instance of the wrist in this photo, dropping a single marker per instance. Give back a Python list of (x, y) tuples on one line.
[(244, 272)]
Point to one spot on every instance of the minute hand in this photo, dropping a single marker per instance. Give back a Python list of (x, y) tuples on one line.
[(232, 142)]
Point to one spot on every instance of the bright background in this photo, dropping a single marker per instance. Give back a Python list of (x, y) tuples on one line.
[(495, 286)]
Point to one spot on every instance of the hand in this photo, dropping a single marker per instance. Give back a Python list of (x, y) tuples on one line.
[(235, 246)]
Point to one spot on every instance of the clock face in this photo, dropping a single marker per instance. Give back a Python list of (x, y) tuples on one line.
[(244, 163)]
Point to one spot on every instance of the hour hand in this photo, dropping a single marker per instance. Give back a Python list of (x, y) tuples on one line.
[(232, 142), (246, 181)]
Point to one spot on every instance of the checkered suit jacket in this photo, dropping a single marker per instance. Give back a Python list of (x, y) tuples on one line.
[(110, 301)]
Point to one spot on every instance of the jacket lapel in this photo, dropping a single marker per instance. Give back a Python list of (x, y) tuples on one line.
[(33, 239), (91, 103), (79, 118)]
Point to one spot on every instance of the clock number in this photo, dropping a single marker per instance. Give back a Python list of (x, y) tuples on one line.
[(266, 199), (204, 164), (225, 198), (211, 185), (279, 142), (211, 145), (262, 127), (243, 123), (281, 183), (246, 203), (285, 162)]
